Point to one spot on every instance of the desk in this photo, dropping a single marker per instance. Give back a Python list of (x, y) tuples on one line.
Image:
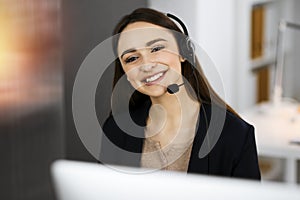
[(275, 128)]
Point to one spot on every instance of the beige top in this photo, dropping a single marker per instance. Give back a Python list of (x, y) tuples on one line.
[(172, 157)]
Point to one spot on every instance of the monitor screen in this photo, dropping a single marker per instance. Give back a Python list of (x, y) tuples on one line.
[(90, 181)]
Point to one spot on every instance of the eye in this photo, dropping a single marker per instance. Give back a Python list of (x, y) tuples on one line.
[(131, 59), (157, 48)]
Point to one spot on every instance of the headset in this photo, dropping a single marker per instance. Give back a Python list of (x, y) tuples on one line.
[(188, 52), (186, 44)]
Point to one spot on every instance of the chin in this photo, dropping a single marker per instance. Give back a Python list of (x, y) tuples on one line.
[(154, 91)]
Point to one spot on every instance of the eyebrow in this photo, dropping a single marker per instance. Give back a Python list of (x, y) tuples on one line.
[(154, 41), (147, 44)]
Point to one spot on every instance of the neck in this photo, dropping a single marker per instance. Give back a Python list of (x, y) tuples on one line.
[(176, 104), (172, 115)]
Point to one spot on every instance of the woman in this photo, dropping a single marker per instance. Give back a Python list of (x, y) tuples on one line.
[(172, 106)]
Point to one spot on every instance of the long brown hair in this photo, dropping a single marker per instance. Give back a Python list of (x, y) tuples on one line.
[(196, 78)]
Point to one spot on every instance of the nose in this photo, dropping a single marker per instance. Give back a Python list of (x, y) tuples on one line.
[(147, 62), (147, 67)]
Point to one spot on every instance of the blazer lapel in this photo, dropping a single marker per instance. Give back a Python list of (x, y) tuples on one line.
[(197, 164)]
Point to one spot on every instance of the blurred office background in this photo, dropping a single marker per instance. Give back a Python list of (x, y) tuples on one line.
[(43, 43)]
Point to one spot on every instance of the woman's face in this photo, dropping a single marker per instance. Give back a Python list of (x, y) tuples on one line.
[(150, 58)]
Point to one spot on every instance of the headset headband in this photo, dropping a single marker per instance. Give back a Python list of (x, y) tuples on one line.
[(180, 22)]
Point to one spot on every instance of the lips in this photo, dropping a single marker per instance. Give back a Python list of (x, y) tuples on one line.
[(153, 79)]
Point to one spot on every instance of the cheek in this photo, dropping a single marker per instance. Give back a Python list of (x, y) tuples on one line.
[(133, 77), (131, 72), (127, 68), (174, 73), (171, 59)]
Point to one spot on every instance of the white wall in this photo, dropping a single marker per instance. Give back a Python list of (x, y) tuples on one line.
[(245, 79), (216, 34), (183, 10)]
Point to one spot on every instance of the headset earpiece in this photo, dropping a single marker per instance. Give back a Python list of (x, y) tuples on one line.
[(188, 49), (186, 45)]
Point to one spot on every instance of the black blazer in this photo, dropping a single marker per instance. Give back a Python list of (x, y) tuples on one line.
[(234, 154)]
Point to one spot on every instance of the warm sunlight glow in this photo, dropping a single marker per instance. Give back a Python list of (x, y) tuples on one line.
[(29, 51), (8, 47)]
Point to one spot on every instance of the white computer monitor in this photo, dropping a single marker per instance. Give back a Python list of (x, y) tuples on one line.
[(75, 180)]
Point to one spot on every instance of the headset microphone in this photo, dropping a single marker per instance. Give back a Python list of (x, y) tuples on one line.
[(173, 88)]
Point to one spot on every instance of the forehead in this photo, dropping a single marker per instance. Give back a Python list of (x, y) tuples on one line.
[(137, 34)]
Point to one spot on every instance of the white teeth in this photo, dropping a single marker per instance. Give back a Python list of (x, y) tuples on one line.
[(153, 78)]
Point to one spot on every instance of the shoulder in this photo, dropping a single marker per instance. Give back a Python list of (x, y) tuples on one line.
[(228, 140), (228, 120), (236, 123), (239, 141), (234, 130), (237, 136)]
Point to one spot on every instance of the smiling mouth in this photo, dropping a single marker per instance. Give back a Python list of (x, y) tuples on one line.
[(154, 79)]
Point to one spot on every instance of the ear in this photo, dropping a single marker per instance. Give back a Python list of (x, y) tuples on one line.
[(182, 59)]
